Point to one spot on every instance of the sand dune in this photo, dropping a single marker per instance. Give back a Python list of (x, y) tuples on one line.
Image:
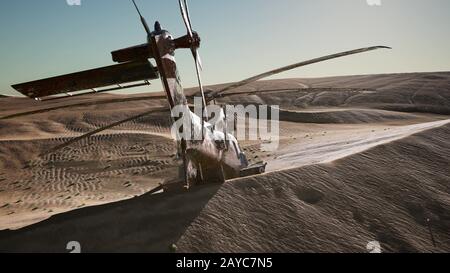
[(361, 158), (414, 92), (385, 193), (106, 168)]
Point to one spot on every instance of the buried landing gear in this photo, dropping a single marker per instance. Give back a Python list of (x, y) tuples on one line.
[(250, 169), (204, 176), (254, 169), (198, 169)]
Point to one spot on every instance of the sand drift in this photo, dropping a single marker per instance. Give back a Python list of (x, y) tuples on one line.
[(343, 144)]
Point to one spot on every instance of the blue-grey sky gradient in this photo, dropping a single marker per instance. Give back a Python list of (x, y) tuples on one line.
[(240, 38)]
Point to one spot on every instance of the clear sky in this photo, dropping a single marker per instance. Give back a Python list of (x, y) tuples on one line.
[(240, 38)]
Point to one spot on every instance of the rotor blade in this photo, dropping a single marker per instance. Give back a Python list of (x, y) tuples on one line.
[(197, 58), (186, 20), (202, 91), (76, 139), (144, 23), (194, 50), (187, 13), (200, 84), (289, 67), (82, 104)]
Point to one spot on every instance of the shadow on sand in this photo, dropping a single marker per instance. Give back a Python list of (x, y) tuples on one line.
[(149, 223)]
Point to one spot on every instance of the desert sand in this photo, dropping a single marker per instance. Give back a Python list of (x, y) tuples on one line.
[(361, 159)]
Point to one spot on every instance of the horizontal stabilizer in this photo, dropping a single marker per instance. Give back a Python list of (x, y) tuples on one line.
[(90, 79), (139, 52)]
